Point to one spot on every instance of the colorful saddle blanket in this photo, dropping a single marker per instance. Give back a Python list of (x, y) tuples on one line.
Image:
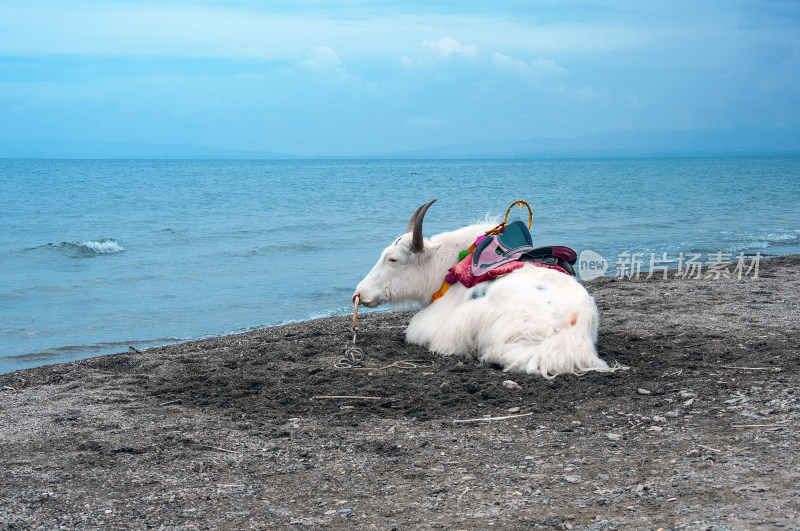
[(501, 254)]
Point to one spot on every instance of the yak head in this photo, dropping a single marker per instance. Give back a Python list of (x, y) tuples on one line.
[(404, 271)]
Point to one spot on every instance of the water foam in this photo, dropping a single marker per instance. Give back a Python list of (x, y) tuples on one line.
[(102, 246), (763, 241)]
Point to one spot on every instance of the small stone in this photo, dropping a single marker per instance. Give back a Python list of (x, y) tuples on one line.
[(511, 384), (614, 436), (572, 479), (642, 391), (689, 402), (687, 394), (657, 418), (655, 428), (344, 511), (673, 414), (513, 410)]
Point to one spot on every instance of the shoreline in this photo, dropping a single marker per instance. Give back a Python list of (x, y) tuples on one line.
[(142, 345), (630, 269), (251, 430)]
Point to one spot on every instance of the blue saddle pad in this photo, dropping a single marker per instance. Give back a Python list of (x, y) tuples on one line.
[(515, 235)]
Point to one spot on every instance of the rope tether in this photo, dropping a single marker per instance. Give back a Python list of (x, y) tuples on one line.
[(354, 355)]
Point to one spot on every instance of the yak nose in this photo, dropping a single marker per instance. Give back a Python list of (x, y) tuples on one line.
[(359, 299)]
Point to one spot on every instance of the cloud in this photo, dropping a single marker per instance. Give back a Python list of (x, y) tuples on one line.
[(324, 60), (434, 54), (68, 65), (505, 62), (547, 66), (320, 59), (540, 66), (448, 46)]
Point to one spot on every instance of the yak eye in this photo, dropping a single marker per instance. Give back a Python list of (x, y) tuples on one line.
[(392, 259)]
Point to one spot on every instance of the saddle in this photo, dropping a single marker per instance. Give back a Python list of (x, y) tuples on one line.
[(499, 254)]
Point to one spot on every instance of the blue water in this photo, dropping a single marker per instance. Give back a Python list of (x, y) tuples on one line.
[(98, 255)]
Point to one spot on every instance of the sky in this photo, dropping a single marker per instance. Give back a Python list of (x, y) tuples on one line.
[(354, 78)]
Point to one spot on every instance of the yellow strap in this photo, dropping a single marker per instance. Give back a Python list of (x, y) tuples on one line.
[(439, 294)]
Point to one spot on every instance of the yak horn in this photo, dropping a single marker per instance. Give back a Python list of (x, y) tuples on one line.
[(415, 226)]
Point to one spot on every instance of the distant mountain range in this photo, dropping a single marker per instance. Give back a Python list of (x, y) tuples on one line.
[(76, 149), (643, 143)]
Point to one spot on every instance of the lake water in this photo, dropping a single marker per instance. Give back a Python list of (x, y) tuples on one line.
[(97, 255)]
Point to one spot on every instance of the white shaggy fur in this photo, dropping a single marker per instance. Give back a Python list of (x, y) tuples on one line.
[(534, 320)]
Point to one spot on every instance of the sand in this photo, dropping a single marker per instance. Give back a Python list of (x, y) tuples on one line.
[(240, 432)]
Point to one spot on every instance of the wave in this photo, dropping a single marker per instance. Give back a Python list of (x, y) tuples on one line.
[(85, 248), (103, 246), (76, 352), (294, 247), (91, 349), (788, 238), (170, 232), (744, 242)]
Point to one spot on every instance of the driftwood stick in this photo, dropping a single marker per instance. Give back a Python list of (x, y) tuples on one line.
[(765, 425), (704, 447), (492, 418), (336, 397), (746, 368), (216, 448)]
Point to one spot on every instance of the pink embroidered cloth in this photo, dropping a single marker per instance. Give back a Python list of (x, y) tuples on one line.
[(462, 271)]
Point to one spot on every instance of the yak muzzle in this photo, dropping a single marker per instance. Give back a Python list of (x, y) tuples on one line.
[(369, 303)]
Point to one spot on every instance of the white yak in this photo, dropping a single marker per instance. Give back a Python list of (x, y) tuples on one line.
[(535, 319)]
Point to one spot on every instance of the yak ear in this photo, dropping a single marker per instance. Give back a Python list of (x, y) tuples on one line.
[(428, 247), (432, 246), (415, 227)]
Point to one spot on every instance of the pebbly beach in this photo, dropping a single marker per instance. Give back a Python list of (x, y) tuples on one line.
[(282, 427)]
